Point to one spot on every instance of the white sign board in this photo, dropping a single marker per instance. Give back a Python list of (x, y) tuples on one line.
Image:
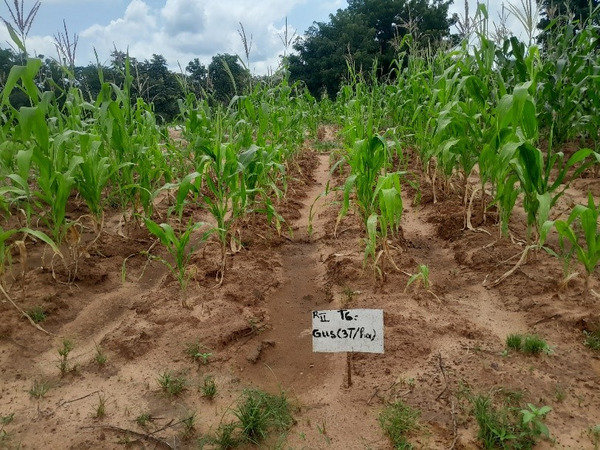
[(348, 330)]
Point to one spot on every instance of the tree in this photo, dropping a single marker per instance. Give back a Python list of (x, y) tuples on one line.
[(572, 10), (555, 14), (227, 77), (162, 88), (89, 80), (198, 76), (365, 32), (7, 60)]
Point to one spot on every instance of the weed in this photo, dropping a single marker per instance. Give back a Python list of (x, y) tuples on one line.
[(258, 412), (503, 424), (560, 393), (209, 387), (39, 389), (100, 356), (533, 419), (534, 345), (594, 434), (171, 384), (397, 420), (189, 426), (125, 440), (143, 419), (225, 438), (514, 342), (37, 314), (592, 339), (349, 294), (529, 344), (322, 429), (325, 146), (197, 352), (101, 408), (5, 420), (63, 363)]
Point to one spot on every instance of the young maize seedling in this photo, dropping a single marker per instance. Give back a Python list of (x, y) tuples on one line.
[(178, 246)]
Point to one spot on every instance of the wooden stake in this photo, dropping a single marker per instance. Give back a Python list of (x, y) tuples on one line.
[(349, 363)]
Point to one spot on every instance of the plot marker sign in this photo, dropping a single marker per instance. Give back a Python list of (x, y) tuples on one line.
[(348, 330)]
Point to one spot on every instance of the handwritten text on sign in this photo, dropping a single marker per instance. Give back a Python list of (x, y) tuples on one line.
[(348, 330)]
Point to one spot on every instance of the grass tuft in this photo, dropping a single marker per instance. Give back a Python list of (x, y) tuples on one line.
[(514, 342), (209, 387), (39, 389), (172, 384), (529, 344), (398, 420), (592, 339), (37, 314), (534, 345)]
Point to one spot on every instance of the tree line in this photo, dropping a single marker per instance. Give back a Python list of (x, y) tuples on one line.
[(152, 80), (373, 36)]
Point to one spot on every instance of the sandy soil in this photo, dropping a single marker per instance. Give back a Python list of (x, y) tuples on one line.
[(255, 331)]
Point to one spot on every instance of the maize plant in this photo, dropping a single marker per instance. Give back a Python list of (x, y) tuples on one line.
[(178, 246), (377, 194), (535, 170), (582, 232)]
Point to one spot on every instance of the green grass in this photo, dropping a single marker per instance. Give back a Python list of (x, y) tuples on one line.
[(534, 345), (398, 420), (172, 384), (39, 389), (514, 342), (100, 357), (189, 427), (594, 434), (505, 423), (209, 387), (5, 420), (143, 419), (259, 412), (225, 437), (529, 344), (37, 314), (592, 339), (100, 411)]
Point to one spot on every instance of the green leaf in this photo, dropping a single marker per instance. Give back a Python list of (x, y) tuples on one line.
[(156, 231), (15, 38), (42, 237)]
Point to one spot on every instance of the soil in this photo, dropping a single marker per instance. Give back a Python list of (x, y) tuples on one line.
[(254, 330)]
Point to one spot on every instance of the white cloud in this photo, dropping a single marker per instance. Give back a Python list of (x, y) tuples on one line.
[(182, 30), (42, 45), (182, 16)]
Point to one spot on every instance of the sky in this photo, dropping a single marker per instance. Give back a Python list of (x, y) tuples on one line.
[(180, 30)]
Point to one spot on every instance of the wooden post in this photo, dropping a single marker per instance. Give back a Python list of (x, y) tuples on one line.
[(349, 363)]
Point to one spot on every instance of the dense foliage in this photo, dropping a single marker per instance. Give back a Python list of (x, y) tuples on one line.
[(368, 32)]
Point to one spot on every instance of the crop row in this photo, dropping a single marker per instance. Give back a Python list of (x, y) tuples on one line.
[(486, 120)]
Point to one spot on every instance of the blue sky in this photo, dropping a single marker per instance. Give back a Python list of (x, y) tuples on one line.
[(180, 30)]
